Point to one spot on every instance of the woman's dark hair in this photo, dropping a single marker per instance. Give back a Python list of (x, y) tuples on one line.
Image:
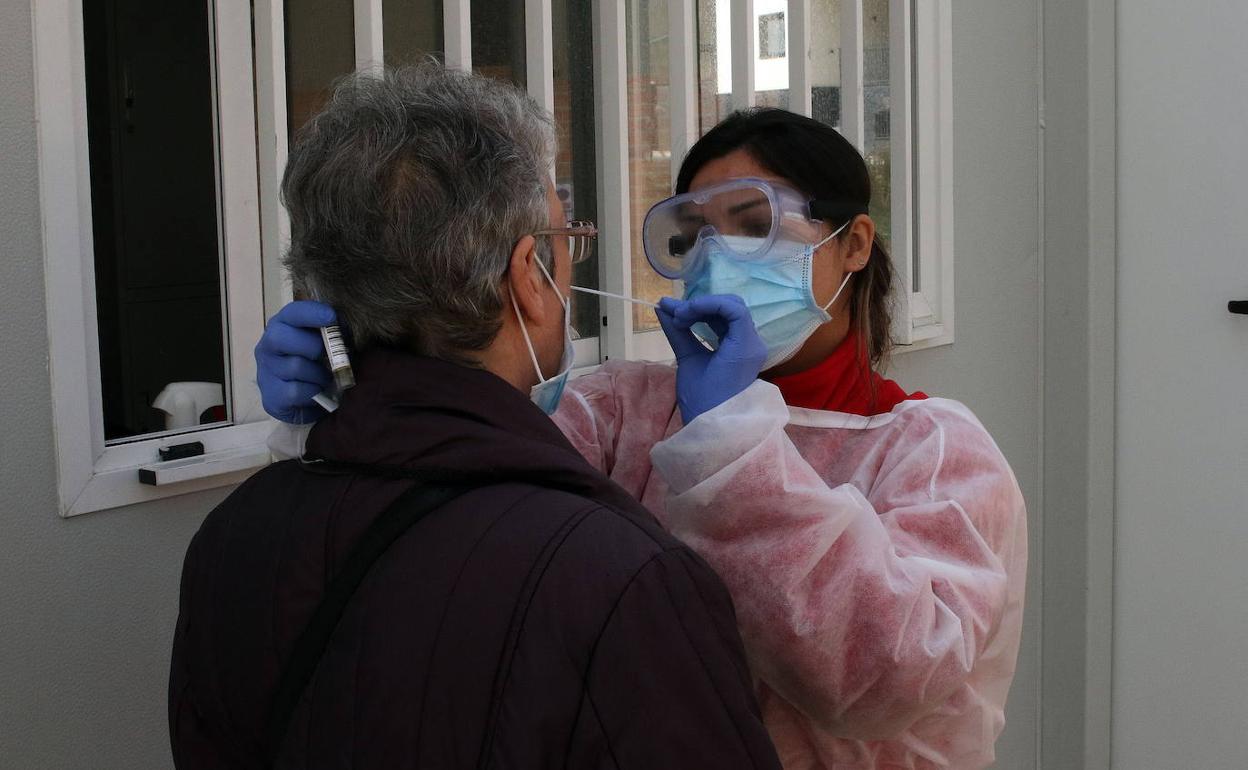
[(822, 164)]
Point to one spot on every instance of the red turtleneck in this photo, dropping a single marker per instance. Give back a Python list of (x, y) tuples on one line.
[(841, 384)]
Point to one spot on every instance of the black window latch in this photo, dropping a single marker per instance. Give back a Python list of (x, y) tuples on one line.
[(181, 451)]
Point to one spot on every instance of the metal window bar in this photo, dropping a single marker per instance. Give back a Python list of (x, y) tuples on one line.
[(539, 56), (457, 33), (800, 80), (683, 77), (272, 136), (853, 107), (540, 77), (744, 51), (901, 104), (369, 42), (611, 118)]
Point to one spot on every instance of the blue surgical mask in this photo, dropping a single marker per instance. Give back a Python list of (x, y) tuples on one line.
[(777, 290), (547, 393)]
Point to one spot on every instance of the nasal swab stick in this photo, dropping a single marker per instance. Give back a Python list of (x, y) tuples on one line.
[(633, 300)]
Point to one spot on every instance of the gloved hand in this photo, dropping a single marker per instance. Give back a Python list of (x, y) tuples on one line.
[(291, 366), (704, 378)]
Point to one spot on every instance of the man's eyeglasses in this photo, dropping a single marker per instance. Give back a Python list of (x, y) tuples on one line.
[(581, 237)]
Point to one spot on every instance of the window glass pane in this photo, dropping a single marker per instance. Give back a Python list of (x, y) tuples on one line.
[(771, 60), (412, 29), (152, 139), (576, 171), (714, 62), (649, 141), (771, 39), (498, 40), (825, 61), (876, 95), (320, 48)]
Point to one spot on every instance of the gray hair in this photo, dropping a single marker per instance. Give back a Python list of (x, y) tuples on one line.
[(407, 194)]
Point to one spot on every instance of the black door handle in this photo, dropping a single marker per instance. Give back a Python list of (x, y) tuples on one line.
[(1239, 307)]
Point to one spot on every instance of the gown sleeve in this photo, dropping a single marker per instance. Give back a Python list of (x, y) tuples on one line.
[(586, 415), (616, 415), (866, 608), (286, 441)]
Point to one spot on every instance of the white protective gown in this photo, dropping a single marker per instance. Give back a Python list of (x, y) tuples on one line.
[(877, 564)]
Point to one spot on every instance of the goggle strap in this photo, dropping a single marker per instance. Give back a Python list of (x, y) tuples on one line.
[(836, 210)]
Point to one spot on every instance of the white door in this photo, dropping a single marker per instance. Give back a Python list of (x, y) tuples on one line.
[(1181, 585)]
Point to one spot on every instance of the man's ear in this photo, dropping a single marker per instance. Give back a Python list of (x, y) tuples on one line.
[(526, 282), (860, 243)]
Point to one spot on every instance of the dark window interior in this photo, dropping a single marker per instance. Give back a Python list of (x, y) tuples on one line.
[(154, 206)]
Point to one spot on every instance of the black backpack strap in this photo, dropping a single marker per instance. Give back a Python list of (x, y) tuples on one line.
[(412, 506)]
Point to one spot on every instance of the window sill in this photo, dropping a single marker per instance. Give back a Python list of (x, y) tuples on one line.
[(925, 338), (113, 479)]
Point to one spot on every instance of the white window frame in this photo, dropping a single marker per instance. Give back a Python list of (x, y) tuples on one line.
[(922, 146), (921, 47), (928, 320), (272, 134), (95, 476), (539, 75), (91, 474), (370, 54), (922, 140)]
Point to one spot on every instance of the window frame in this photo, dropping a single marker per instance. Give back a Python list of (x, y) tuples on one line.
[(928, 130), (921, 137), (539, 76), (252, 127), (92, 474)]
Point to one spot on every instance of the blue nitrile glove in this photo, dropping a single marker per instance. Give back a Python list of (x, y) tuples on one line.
[(705, 379), (290, 362)]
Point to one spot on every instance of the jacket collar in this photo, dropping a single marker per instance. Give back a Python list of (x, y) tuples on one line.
[(424, 417)]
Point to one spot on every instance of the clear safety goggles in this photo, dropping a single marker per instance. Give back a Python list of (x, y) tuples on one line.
[(752, 213)]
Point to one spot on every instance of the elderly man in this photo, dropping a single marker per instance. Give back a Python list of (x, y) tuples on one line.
[(442, 581)]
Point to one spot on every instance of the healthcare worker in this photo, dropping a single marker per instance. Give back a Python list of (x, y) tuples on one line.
[(874, 541)]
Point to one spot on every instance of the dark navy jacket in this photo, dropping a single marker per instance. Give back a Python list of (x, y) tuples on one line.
[(543, 620)]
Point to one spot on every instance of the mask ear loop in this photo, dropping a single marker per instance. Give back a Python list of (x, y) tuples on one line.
[(565, 301), (837, 296), (528, 341), (562, 300), (848, 275)]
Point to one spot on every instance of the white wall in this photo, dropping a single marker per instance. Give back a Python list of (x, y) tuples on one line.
[(1181, 586), (1078, 381), (994, 365), (88, 605)]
